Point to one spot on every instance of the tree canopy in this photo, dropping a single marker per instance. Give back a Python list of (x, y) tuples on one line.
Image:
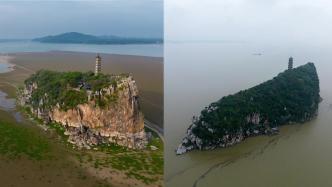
[(68, 89), (292, 96)]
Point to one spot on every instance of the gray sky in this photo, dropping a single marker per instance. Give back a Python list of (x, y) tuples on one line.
[(249, 20), (29, 19)]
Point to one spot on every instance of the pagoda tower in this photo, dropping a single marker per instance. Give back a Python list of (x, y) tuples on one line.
[(290, 63), (98, 65)]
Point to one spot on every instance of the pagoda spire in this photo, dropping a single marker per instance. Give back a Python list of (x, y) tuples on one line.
[(98, 65), (290, 63)]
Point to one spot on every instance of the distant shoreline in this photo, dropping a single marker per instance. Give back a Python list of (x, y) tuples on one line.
[(82, 38), (101, 44), (159, 59), (93, 43)]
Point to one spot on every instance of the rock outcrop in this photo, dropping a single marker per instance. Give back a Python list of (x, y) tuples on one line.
[(290, 97), (117, 120)]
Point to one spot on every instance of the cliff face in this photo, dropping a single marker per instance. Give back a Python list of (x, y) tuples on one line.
[(291, 97), (108, 114)]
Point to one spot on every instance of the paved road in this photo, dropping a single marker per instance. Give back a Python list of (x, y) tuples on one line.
[(155, 128)]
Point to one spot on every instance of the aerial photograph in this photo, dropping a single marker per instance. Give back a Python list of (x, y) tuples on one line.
[(81, 93), (174, 93), (248, 96)]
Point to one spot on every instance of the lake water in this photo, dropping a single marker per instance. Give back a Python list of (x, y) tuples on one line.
[(198, 74), (155, 50)]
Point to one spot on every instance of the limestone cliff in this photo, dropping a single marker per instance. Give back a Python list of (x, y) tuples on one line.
[(93, 110)]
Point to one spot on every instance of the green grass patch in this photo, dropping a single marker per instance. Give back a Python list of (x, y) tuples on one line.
[(17, 141), (59, 129), (144, 165)]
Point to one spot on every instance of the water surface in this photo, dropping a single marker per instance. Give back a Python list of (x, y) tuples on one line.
[(7, 104), (198, 74), (155, 50), (5, 66)]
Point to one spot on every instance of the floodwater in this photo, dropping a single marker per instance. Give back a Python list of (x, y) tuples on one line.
[(197, 74)]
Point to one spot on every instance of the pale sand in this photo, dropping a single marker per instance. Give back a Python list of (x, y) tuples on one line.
[(147, 71)]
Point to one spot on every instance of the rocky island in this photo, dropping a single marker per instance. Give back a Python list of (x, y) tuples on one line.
[(92, 108), (291, 97)]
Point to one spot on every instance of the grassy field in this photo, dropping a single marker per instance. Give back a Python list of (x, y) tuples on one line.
[(31, 157), (144, 165), (17, 141)]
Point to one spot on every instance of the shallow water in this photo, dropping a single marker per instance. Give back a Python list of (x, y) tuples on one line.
[(198, 74), (18, 117), (155, 50), (5, 66), (7, 104)]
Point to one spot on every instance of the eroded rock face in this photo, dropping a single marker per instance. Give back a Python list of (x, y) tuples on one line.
[(87, 124)]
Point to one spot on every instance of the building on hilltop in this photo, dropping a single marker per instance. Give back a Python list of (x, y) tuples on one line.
[(290, 63), (98, 65)]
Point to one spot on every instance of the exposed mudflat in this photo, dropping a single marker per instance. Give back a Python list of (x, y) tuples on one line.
[(61, 165)]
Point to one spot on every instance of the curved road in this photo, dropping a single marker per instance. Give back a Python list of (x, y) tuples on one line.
[(155, 128)]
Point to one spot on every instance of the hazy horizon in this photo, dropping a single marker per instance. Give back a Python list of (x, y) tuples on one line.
[(77, 32), (126, 18), (252, 21)]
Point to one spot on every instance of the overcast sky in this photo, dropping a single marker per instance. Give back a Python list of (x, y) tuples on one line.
[(29, 19), (249, 20)]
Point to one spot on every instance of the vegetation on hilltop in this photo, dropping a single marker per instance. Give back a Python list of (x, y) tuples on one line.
[(68, 89), (292, 96)]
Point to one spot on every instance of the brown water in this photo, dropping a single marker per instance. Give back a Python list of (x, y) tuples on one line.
[(198, 74)]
